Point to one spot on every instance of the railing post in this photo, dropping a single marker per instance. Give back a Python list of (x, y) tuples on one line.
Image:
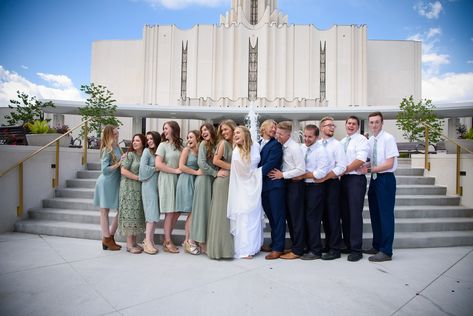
[(85, 144), (19, 209), (56, 179), (426, 153), (459, 188)]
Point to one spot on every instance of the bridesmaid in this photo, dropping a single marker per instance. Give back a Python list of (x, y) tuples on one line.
[(149, 190), (203, 185), (185, 185), (131, 217), (107, 185), (219, 240), (167, 162)]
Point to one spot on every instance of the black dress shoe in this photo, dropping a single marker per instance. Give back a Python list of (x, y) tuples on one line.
[(371, 251), (310, 256), (331, 255), (380, 257), (355, 256), (345, 251)]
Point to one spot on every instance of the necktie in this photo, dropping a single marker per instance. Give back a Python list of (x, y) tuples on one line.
[(374, 163), (307, 153), (324, 142), (346, 143)]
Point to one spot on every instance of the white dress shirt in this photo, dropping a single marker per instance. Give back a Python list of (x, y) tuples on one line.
[(386, 148), (293, 164), (358, 148), (316, 161), (336, 155)]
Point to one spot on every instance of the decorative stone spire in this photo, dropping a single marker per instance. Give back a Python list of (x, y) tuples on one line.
[(253, 12)]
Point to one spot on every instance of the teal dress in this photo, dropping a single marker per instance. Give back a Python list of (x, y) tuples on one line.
[(219, 239), (202, 195), (131, 218), (108, 183), (185, 186), (149, 186), (167, 181)]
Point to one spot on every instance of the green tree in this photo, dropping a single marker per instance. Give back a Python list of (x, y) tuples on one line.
[(413, 116), (100, 107), (27, 110)]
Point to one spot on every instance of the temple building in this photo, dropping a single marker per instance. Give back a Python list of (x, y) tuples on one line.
[(254, 54)]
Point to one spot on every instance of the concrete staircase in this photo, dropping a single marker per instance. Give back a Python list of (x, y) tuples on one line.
[(425, 215)]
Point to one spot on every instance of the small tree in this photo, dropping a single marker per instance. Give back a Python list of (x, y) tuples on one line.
[(413, 116), (100, 107), (27, 110)]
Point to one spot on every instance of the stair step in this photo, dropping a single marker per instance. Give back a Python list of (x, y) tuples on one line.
[(427, 224), (420, 189), (92, 231), (430, 211), (402, 171), (88, 174), (402, 200), (83, 193), (93, 166), (70, 203), (80, 183), (412, 180)]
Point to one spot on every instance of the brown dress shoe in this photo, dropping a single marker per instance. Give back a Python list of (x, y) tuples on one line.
[(290, 256), (273, 255), (266, 248)]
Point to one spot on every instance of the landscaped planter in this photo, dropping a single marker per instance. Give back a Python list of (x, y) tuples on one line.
[(452, 148), (43, 139)]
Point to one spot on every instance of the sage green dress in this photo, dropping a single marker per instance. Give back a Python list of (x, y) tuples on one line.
[(149, 186), (167, 181), (131, 218), (219, 239), (202, 195), (185, 186)]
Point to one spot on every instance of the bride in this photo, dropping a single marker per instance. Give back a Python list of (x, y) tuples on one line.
[(244, 207)]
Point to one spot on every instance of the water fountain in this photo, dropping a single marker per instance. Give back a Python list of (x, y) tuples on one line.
[(252, 123)]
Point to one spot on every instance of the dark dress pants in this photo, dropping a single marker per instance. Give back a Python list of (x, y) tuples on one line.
[(353, 190), (274, 206), (295, 215), (381, 198), (314, 196), (331, 216)]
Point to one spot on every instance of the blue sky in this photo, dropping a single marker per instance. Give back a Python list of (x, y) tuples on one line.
[(46, 44)]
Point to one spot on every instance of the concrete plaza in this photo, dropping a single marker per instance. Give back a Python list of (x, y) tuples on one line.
[(45, 275)]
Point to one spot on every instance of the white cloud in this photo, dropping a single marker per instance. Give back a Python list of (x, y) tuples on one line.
[(435, 31), (24, 67), (429, 10), (179, 4), (469, 62), (61, 87), (451, 87)]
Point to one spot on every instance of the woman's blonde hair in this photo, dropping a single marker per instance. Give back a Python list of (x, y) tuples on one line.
[(245, 148), (229, 123), (106, 142), (265, 125)]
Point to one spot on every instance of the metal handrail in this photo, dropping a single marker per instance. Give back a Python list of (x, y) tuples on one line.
[(55, 182), (459, 188)]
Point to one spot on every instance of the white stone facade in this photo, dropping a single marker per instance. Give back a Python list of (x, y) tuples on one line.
[(294, 65)]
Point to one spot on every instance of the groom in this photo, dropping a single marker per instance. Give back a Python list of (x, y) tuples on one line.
[(272, 195)]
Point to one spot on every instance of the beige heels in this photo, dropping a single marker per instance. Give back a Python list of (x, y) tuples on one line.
[(149, 248), (168, 246)]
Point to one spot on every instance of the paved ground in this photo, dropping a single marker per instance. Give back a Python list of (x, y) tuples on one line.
[(44, 275)]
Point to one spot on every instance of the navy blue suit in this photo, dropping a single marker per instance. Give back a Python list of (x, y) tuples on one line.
[(273, 194)]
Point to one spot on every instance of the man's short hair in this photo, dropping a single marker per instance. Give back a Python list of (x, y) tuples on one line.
[(265, 125), (376, 114), (285, 125), (326, 118), (312, 127), (353, 117)]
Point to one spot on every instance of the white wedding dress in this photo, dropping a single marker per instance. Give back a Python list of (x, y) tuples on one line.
[(244, 208)]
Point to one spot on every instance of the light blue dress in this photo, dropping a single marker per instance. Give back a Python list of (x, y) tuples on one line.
[(149, 186), (185, 186), (108, 183), (167, 181)]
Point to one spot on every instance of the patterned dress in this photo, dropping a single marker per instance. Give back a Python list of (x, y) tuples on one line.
[(149, 186), (185, 185), (167, 181), (108, 183), (202, 195), (219, 239), (131, 218)]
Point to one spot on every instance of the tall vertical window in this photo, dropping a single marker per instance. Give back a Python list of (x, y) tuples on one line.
[(253, 71), (184, 71), (323, 70), (254, 12)]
